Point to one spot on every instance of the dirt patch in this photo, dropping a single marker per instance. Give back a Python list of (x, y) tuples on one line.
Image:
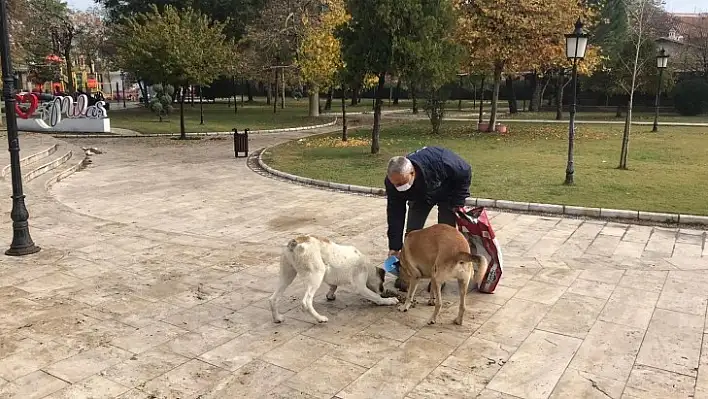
[(290, 222)]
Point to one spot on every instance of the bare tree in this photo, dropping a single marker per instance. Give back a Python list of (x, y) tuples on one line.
[(637, 54)]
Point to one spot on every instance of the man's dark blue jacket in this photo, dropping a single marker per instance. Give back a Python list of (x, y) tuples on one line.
[(441, 176)]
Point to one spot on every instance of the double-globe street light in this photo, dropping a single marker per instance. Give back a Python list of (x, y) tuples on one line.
[(22, 243), (575, 45), (662, 60)]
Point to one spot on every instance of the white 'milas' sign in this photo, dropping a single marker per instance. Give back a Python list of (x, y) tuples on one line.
[(62, 114)]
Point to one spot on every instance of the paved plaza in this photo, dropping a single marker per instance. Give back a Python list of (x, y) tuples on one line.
[(158, 258)]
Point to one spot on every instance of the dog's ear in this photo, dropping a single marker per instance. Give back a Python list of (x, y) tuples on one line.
[(382, 273)]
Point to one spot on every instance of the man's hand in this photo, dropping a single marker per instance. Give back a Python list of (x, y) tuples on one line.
[(397, 254)]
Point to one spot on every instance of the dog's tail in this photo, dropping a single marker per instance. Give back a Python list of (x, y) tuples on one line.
[(480, 265)]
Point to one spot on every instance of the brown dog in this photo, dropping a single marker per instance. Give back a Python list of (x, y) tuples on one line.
[(440, 253)]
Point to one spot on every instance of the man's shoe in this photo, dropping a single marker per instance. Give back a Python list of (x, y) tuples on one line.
[(400, 285)]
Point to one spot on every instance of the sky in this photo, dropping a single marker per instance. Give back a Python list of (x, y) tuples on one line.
[(671, 5), (680, 6)]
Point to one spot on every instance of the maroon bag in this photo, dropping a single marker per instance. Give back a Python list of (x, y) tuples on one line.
[(474, 224)]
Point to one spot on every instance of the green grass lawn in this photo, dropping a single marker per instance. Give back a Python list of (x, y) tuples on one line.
[(668, 171), (217, 118), (609, 116)]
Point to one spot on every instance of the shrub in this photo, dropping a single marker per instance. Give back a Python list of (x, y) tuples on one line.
[(161, 103), (691, 97)]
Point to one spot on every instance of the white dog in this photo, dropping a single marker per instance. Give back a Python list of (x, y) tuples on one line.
[(319, 259)]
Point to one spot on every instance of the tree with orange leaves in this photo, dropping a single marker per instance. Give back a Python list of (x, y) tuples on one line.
[(512, 35)]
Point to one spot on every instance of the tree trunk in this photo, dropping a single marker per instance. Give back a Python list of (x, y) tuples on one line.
[(70, 73), (546, 81), (249, 91), (282, 89), (397, 93), (191, 93), (535, 103), (495, 96), (559, 96), (269, 90), (355, 95), (412, 89), (182, 130), (513, 104), (344, 114), (233, 84), (275, 92), (474, 96), (625, 135), (330, 97), (201, 107), (376, 131), (314, 96), (481, 100), (144, 91)]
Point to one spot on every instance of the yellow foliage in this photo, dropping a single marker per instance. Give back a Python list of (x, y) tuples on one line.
[(521, 35), (319, 56)]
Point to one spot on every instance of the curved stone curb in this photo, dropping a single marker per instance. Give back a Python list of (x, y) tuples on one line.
[(66, 173), (31, 158), (553, 209), (49, 166), (193, 134)]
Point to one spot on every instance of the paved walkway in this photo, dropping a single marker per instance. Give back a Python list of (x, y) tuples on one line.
[(157, 261)]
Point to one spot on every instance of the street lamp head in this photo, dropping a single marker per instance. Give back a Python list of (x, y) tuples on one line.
[(576, 43), (662, 59)]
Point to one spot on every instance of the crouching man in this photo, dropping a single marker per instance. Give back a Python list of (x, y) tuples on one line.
[(421, 180)]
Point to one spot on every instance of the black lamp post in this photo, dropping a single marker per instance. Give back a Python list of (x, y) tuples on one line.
[(575, 45), (122, 86), (662, 60), (22, 243)]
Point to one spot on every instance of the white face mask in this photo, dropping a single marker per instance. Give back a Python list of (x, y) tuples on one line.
[(406, 186)]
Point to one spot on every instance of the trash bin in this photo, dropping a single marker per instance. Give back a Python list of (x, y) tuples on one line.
[(240, 142)]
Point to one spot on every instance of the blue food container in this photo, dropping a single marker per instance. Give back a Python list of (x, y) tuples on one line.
[(392, 264)]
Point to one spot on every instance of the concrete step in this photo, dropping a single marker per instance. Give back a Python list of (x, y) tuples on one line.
[(41, 169)]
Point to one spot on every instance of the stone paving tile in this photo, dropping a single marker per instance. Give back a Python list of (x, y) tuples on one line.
[(608, 351), (141, 368), (93, 387), (572, 315), (325, 377), (511, 324), (87, 363), (702, 379), (650, 383), (673, 342), (543, 352), (448, 382), (579, 384), (400, 372), (250, 345), (33, 359), (178, 282), (34, 385), (630, 307), (188, 380), (254, 380)]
